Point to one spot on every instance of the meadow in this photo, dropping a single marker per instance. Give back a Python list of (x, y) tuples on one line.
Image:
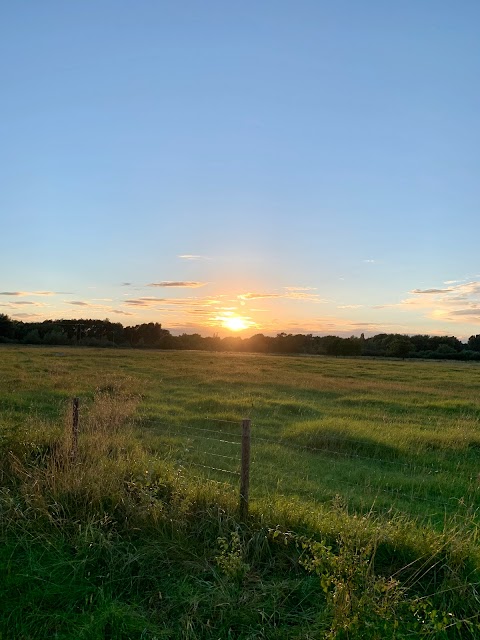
[(364, 496)]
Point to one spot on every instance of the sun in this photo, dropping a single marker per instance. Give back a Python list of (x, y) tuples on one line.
[(235, 323)]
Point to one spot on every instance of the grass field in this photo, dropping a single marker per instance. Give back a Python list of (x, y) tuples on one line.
[(378, 433), (381, 458)]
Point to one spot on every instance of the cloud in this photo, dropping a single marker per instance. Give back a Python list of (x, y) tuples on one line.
[(172, 283), (28, 293), (121, 313), (19, 303), (88, 305), (150, 301), (290, 293), (466, 312), (369, 261), (27, 315), (126, 284), (350, 306), (458, 303), (191, 256), (258, 296), (420, 291), (200, 312), (307, 297)]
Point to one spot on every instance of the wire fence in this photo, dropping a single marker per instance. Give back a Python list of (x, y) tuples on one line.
[(235, 454), (281, 466)]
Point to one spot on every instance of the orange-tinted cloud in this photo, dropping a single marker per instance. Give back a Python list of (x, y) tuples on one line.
[(181, 283)]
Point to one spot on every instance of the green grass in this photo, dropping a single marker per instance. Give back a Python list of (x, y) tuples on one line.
[(364, 496)]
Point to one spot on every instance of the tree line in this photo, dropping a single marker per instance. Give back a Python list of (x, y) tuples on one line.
[(103, 333)]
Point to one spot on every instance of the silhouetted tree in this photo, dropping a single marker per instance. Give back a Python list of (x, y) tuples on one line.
[(7, 327)]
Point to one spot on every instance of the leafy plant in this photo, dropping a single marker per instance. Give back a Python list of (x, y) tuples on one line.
[(230, 558)]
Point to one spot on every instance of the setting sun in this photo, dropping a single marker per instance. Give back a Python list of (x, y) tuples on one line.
[(235, 323)]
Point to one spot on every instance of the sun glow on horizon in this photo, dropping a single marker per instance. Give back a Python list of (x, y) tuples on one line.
[(234, 322)]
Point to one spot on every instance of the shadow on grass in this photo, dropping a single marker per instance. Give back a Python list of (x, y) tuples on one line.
[(340, 442)]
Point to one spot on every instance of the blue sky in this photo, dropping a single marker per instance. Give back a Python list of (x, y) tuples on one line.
[(303, 166)]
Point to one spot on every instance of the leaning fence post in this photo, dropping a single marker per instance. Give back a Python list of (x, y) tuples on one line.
[(74, 428), (245, 470)]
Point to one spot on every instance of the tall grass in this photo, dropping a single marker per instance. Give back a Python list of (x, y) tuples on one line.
[(118, 543), (364, 514)]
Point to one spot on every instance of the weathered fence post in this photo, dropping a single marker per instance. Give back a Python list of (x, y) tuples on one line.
[(245, 471), (74, 428)]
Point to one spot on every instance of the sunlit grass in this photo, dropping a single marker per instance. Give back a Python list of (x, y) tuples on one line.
[(129, 539), (381, 434)]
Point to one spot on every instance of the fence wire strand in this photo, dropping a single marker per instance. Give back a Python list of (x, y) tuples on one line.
[(346, 454), (381, 485), (204, 466), (193, 428)]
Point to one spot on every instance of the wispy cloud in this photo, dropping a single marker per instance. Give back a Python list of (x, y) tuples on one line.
[(181, 283), (258, 296), (147, 302), (289, 293), (29, 293), (458, 303), (150, 301), (427, 291), (88, 305), (307, 297), (27, 316), (19, 303), (369, 261), (191, 256), (466, 312)]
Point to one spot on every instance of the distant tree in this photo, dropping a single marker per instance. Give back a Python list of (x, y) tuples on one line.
[(445, 351), (420, 342), (32, 337), (56, 336), (436, 341), (232, 343), (474, 343), (259, 343), (400, 347), (7, 326)]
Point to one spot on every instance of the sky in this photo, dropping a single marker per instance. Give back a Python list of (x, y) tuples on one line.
[(257, 166)]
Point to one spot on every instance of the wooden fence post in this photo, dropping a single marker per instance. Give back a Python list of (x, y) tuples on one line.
[(245, 471), (74, 428)]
